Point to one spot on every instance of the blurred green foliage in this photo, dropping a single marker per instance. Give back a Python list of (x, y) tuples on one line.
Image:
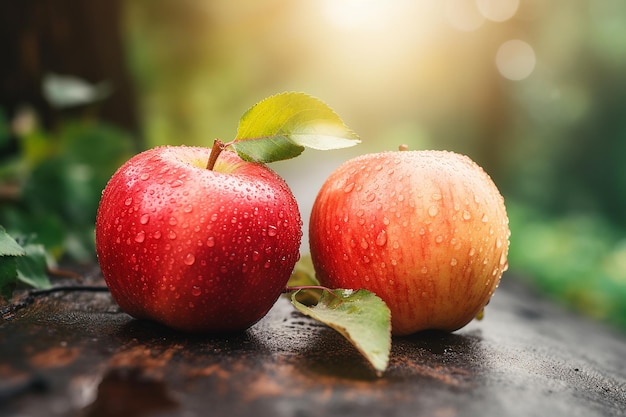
[(54, 181)]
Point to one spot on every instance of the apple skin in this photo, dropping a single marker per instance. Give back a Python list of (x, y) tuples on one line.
[(195, 249), (427, 231)]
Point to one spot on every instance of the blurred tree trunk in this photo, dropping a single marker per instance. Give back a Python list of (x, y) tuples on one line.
[(78, 38)]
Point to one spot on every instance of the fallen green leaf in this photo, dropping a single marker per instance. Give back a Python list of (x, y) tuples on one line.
[(281, 126), (360, 316)]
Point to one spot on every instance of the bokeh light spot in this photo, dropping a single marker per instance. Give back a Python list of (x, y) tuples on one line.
[(515, 60), (498, 10)]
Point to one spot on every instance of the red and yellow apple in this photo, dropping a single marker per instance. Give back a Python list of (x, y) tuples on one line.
[(197, 249), (427, 231)]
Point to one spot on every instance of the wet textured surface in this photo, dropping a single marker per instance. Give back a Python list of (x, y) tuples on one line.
[(75, 354)]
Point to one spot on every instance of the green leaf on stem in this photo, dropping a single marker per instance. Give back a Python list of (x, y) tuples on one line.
[(303, 276), (360, 316), (282, 126)]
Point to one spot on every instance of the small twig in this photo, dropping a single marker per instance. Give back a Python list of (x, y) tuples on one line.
[(68, 288), (65, 273)]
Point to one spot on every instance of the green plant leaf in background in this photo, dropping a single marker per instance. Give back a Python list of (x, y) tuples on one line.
[(360, 316), (10, 250), (32, 267), (281, 126)]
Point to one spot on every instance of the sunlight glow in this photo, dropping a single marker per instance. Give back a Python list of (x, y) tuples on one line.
[(463, 15)]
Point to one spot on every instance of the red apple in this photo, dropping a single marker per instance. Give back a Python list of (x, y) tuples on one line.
[(427, 231), (198, 250)]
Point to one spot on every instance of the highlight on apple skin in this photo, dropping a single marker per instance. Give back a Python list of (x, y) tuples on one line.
[(195, 249), (427, 231)]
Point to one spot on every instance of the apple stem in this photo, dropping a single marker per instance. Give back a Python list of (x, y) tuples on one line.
[(216, 150)]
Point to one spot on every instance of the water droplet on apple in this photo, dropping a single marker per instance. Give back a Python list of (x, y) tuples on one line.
[(171, 235), (348, 188), (381, 239), (255, 256), (466, 215), (432, 211), (144, 176), (439, 239), (267, 265), (172, 221), (346, 257), (157, 235), (189, 259), (176, 183), (424, 270), (453, 262), (370, 197), (144, 219), (272, 231), (498, 243), (364, 244), (188, 208), (472, 251), (196, 291), (503, 258), (366, 259), (128, 201), (141, 236), (436, 196)]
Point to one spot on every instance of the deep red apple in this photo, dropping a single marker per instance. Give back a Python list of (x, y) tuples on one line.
[(427, 231), (196, 249)]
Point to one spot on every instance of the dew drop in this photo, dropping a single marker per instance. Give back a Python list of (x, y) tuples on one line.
[(171, 235), (157, 235), (272, 231), (346, 257), (485, 218), (196, 291), (128, 201), (141, 236), (432, 211), (172, 221), (366, 259), (144, 219), (381, 239), (255, 256), (424, 270), (210, 242), (436, 197), (267, 265), (385, 221), (503, 258), (472, 251), (188, 208), (466, 215), (176, 183), (453, 262), (498, 243), (144, 176), (370, 197), (439, 239), (348, 188), (189, 259), (213, 217), (364, 244)]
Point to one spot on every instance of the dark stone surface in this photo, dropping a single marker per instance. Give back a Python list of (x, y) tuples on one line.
[(75, 354)]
